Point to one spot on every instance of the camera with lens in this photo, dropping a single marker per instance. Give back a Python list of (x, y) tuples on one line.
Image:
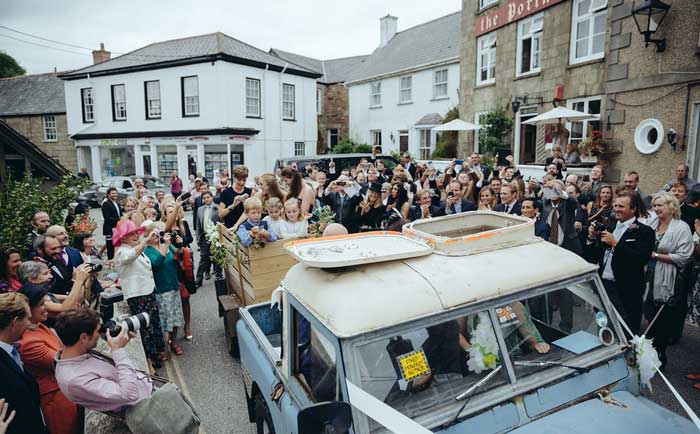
[(598, 228), (94, 268), (131, 323)]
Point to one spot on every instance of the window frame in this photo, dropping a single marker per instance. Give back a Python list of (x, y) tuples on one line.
[(148, 99), (483, 4), (330, 136), (297, 152), (375, 92), (586, 104), (425, 133), (115, 118), (185, 113), (286, 87), (438, 84), (491, 58), (533, 36), (249, 97), (319, 101), (84, 106), (374, 134), (408, 89), (590, 17), (48, 129)]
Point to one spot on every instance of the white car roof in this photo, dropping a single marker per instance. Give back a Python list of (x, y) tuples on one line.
[(374, 296)]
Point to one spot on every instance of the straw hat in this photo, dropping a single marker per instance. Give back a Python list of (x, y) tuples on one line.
[(123, 229)]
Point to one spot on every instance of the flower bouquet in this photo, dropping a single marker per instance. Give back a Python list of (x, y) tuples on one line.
[(483, 353), (82, 223), (321, 217), (594, 145), (647, 359), (217, 251)]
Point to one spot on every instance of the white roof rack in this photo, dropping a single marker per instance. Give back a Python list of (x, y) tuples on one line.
[(355, 249)]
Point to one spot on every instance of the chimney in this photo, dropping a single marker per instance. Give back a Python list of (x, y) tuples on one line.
[(99, 56), (388, 26)]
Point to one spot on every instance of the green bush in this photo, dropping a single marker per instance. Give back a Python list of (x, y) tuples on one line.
[(496, 126), (347, 146), (363, 148), (20, 198)]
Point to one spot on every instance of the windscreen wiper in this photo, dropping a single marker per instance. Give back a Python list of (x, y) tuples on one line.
[(548, 363), (470, 392)]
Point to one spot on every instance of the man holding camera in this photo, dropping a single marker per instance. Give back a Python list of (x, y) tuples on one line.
[(342, 195), (622, 252), (455, 203), (90, 379), (424, 208)]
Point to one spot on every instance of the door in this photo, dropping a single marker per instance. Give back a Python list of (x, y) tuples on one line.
[(525, 137), (403, 141)]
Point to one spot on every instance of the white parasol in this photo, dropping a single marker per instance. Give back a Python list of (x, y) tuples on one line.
[(457, 125), (559, 115)]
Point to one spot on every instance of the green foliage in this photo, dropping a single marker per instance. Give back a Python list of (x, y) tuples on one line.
[(20, 198), (446, 146), (496, 126), (347, 146), (9, 66)]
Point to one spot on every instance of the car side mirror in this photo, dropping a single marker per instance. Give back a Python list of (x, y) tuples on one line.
[(325, 418)]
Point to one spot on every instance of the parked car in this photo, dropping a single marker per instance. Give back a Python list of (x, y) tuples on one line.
[(342, 161), (506, 347), (124, 186)]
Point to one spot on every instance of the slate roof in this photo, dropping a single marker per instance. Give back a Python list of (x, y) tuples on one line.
[(333, 70), (18, 143), (430, 119), (32, 95), (195, 49), (427, 43)]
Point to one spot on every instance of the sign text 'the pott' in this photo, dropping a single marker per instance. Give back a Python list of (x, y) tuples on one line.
[(512, 11)]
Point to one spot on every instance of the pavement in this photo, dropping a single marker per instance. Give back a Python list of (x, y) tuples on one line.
[(211, 378)]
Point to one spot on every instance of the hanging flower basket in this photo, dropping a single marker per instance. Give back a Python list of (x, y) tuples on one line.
[(593, 146)]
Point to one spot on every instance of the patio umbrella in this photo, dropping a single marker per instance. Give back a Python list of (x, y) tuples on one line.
[(559, 115), (457, 125)]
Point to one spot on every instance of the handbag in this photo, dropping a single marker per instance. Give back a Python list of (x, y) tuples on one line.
[(185, 270), (166, 411)]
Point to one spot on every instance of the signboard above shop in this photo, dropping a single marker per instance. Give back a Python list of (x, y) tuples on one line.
[(510, 12)]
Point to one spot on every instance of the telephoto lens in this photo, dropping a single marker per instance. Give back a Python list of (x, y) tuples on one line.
[(95, 268), (131, 323)]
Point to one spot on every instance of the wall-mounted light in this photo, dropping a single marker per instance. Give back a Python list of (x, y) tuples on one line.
[(391, 137), (515, 105), (648, 17), (671, 136), (524, 100)]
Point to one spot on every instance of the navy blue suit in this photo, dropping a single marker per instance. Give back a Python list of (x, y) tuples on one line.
[(466, 205), (74, 259), (542, 229), (21, 391)]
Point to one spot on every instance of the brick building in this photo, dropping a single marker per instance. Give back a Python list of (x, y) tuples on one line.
[(34, 105), (331, 94)]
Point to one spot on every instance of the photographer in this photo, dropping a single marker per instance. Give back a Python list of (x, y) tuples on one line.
[(455, 203), (424, 209), (342, 195), (90, 379)]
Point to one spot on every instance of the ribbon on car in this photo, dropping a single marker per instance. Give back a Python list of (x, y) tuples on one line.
[(382, 413)]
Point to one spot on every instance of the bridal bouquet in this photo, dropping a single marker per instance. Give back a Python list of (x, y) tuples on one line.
[(483, 353)]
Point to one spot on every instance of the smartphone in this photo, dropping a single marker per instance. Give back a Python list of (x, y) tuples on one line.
[(460, 162), (184, 196)]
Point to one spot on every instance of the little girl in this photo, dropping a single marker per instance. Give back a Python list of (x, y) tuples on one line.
[(295, 225), (274, 215)]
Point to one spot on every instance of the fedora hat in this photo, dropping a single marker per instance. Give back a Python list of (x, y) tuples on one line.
[(123, 229), (376, 187)]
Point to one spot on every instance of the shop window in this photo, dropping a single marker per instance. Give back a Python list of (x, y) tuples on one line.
[(152, 90), (581, 130), (118, 102), (529, 52), (486, 59), (190, 96), (314, 361), (252, 97), (425, 148), (405, 90), (375, 97), (588, 27), (214, 161), (50, 130), (167, 164), (288, 102), (440, 83), (88, 105)]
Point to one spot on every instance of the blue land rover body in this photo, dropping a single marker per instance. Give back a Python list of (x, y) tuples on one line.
[(474, 343)]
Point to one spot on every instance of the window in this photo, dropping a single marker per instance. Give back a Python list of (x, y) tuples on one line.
[(588, 24), (375, 96), (299, 149), (440, 84), (424, 147), (581, 130), (50, 130), (405, 92), (152, 99), (485, 3), (319, 104), (252, 97), (190, 96), (118, 102), (529, 54), (486, 59), (288, 107), (376, 136), (333, 136), (88, 104), (314, 361)]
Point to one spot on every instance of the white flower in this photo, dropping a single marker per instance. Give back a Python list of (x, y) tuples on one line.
[(647, 359), (483, 353)]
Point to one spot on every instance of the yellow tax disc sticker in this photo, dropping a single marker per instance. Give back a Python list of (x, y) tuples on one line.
[(413, 365)]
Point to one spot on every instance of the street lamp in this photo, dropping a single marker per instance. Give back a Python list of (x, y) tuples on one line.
[(515, 104), (648, 17)]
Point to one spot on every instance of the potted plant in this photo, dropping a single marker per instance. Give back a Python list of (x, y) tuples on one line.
[(592, 147)]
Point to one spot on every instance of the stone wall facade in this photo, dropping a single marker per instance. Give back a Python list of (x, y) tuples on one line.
[(645, 84), (579, 80), (333, 114), (63, 150)]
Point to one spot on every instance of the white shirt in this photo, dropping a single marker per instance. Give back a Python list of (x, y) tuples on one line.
[(560, 237), (134, 272), (619, 231), (274, 225), (294, 229)]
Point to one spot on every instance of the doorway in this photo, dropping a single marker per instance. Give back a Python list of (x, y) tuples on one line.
[(403, 141), (525, 136)]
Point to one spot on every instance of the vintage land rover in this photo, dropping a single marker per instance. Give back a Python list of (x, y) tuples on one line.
[(461, 324)]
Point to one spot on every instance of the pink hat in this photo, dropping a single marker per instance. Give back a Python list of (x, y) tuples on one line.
[(124, 228)]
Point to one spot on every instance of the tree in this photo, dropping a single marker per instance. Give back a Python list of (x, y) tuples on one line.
[(9, 66), (495, 127)]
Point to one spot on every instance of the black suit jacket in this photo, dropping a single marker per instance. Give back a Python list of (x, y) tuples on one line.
[(21, 392), (567, 215), (515, 210), (415, 212), (411, 168), (110, 216), (347, 215)]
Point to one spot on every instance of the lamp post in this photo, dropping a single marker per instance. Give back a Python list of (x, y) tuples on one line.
[(648, 16)]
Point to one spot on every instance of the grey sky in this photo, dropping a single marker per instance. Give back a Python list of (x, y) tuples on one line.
[(318, 28)]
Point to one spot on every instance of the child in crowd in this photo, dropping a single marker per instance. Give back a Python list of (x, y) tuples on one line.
[(295, 225), (274, 215), (254, 228), (150, 214)]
